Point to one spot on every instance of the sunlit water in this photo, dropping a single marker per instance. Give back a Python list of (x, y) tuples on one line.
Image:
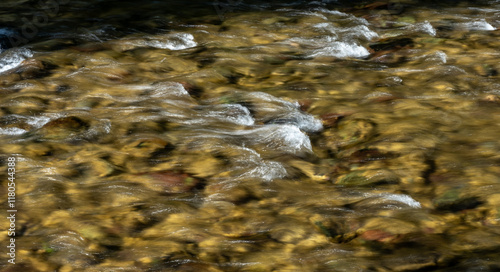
[(227, 136)]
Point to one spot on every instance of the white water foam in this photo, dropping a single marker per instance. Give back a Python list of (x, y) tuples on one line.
[(334, 12), (406, 199), (424, 27), (401, 198), (36, 122), (478, 25), (233, 113), (281, 138), (303, 121), (266, 170), (438, 57), (441, 56), (249, 163), (342, 16), (168, 89), (215, 123), (177, 41), (13, 57), (12, 131), (286, 136), (271, 108), (341, 50), (340, 35), (361, 32), (209, 115)]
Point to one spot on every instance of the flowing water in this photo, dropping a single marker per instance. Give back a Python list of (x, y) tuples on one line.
[(229, 136)]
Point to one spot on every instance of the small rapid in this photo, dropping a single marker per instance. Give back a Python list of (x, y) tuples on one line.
[(12, 58)]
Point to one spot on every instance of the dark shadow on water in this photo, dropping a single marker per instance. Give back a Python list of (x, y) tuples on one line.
[(79, 22)]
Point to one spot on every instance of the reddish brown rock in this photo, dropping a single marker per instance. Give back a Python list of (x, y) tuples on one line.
[(330, 119), (175, 182), (31, 68), (378, 235), (192, 89), (304, 104)]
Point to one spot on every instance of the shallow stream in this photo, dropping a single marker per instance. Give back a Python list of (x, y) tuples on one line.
[(228, 136)]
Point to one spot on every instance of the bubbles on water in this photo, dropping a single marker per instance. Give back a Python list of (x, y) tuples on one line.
[(13, 57)]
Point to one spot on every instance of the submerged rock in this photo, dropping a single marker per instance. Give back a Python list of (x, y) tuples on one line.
[(170, 181), (146, 146), (386, 230), (456, 199), (331, 119), (391, 44), (315, 172), (348, 133), (410, 261), (31, 68), (368, 177), (474, 240), (25, 105), (486, 70), (14, 125), (63, 128)]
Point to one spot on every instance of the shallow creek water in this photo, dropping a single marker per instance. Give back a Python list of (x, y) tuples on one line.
[(228, 136)]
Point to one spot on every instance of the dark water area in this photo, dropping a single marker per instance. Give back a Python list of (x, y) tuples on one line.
[(42, 20), (250, 136)]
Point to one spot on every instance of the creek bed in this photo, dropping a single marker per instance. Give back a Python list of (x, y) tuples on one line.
[(218, 136)]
